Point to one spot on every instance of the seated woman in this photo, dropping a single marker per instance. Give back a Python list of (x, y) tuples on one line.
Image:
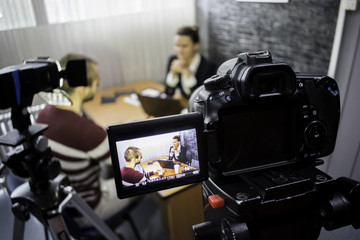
[(188, 69), (177, 152)]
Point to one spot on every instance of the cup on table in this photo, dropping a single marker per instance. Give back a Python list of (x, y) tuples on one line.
[(177, 168)]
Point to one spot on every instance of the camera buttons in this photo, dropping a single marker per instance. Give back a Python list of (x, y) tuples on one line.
[(305, 112), (315, 134), (309, 111), (228, 98), (300, 84), (216, 201), (313, 110)]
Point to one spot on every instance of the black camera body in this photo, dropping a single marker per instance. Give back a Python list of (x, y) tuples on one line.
[(19, 83), (266, 129), (259, 114)]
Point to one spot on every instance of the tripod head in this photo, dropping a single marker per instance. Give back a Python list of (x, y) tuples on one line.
[(286, 203), (30, 157)]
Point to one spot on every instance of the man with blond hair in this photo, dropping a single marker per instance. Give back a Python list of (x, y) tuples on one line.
[(81, 145)]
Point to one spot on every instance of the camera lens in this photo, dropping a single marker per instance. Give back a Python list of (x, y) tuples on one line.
[(230, 229)]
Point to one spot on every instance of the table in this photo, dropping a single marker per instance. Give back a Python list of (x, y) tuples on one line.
[(177, 221), (168, 171), (106, 114)]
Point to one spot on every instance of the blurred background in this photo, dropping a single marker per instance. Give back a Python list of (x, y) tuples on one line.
[(132, 39)]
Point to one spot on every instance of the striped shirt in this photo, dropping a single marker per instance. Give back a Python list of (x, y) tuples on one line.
[(80, 145)]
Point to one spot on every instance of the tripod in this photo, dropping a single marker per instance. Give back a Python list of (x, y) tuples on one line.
[(47, 207), (47, 192), (289, 202)]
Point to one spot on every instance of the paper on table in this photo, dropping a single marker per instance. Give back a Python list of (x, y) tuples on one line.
[(150, 92), (133, 99)]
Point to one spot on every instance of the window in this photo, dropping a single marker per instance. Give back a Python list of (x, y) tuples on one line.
[(30, 13), (60, 11), (16, 14)]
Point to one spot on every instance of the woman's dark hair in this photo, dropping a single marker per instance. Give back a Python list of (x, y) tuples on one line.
[(191, 31), (177, 137)]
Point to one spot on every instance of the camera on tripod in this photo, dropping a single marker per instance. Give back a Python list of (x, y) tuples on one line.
[(18, 85), (264, 129), (45, 191)]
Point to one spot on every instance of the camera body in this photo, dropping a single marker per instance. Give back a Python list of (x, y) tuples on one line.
[(266, 128), (259, 114), (19, 83)]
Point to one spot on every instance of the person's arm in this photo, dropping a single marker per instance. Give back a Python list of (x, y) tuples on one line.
[(171, 153), (182, 157), (170, 83), (177, 153), (171, 79), (132, 176), (148, 174), (205, 70), (188, 83)]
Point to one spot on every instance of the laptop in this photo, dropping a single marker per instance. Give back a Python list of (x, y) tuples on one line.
[(158, 106), (166, 164)]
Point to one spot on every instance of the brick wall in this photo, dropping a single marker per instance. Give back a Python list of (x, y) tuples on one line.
[(299, 33)]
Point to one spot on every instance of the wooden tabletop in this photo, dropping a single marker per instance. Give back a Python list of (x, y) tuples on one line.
[(106, 114), (154, 166), (168, 172)]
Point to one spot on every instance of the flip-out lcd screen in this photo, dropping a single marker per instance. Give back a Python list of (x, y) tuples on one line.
[(157, 154)]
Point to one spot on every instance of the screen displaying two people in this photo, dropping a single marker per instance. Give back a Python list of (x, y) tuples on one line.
[(157, 154), (159, 157)]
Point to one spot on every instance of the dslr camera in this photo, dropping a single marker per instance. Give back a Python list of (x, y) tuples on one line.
[(258, 130), (259, 114)]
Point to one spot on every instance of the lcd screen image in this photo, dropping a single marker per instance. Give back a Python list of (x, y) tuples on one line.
[(158, 153), (155, 158)]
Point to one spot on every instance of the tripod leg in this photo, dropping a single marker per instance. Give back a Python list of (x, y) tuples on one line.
[(55, 224), (58, 228), (86, 211), (18, 229)]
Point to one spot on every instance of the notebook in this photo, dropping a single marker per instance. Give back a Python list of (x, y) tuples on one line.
[(158, 106)]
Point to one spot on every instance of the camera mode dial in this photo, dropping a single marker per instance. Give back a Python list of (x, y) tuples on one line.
[(315, 134), (217, 82)]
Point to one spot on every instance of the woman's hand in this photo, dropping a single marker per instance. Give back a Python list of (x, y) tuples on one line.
[(179, 66)]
